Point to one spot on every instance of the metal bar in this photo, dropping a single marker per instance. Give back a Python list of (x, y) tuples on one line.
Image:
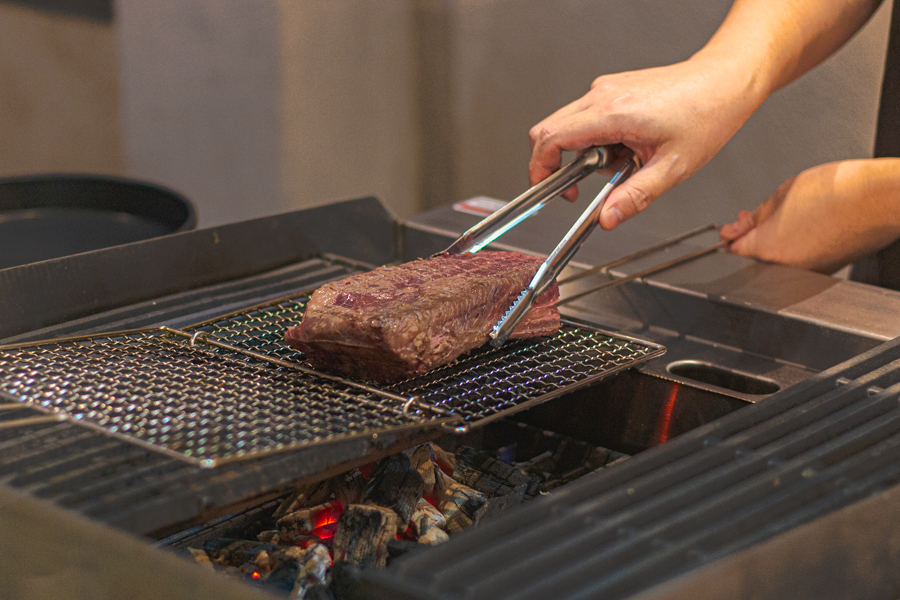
[(639, 254), (28, 421), (652, 270)]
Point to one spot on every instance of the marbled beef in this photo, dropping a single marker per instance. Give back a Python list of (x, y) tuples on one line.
[(399, 321)]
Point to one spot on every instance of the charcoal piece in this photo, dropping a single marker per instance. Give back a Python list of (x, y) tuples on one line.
[(398, 548), (420, 460), (284, 575), (483, 472), (500, 504), (426, 517), (542, 463), (344, 581), (240, 553), (349, 487), (314, 562), (363, 533), (213, 547), (395, 485), (460, 504), (200, 557), (305, 496), (446, 461), (399, 321), (270, 536), (300, 524), (433, 537), (316, 591)]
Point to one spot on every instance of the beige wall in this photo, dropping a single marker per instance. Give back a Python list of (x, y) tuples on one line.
[(59, 107), (254, 107), (515, 61)]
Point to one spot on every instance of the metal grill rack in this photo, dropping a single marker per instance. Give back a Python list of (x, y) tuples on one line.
[(482, 386), (231, 389), (202, 404)]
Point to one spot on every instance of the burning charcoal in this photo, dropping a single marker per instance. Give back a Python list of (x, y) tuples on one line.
[(363, 533), (318, 520), (433, 537), (443, 459), (485, 473), (501, 503), (421, 462), (395, 485), (349, 487), (307, 495), (201, 557), (426, 517), (268, 537), (462, 505)]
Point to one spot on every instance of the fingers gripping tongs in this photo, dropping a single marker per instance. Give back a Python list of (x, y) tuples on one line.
[(528, 204)]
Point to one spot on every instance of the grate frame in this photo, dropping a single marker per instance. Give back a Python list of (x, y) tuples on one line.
[(250, 341)]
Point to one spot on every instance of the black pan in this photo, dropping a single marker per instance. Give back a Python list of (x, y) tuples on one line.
[(49, 216)]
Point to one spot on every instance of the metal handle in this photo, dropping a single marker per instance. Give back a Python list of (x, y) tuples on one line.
[(560, 256), (530, 202), (649, 271)]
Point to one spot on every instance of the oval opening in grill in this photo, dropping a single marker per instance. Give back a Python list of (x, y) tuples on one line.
[(711, 374)]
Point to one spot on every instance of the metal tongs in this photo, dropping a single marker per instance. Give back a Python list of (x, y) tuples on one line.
[(531, 202)]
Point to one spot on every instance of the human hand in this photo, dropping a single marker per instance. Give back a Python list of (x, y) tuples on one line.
[(825, 217), (675, 118)]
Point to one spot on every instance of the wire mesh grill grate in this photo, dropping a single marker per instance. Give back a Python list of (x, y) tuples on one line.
[(492, 380), (483, 384), (236, 393), (206, 405)]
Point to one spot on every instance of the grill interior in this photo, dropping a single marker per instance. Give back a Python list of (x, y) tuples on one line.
[(231, 389)]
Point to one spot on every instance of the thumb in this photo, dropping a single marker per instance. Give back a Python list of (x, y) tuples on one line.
[(633, 195), (746, 245)]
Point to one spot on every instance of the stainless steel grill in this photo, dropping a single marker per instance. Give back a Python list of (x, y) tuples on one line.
[(231, 389)]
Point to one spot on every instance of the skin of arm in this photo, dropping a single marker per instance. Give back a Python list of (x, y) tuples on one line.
[(825, 217), (677, 117)]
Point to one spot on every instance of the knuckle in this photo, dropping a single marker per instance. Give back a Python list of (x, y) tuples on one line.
[(540, 132), (639, 198)]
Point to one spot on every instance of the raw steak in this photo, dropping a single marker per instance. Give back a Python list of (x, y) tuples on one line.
[(396, 322)]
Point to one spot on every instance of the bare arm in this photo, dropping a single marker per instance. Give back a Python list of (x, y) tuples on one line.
[(677, 117), (825, 217)]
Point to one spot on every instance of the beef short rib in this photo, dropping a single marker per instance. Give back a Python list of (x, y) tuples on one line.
[(399, 321)]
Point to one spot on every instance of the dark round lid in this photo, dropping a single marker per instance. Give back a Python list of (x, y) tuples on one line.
[(50, 216)]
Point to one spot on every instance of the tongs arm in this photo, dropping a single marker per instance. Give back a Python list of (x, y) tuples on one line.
[(560, 256), (530, 202)]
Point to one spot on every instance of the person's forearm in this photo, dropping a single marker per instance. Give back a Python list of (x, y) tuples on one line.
[(776, 41)]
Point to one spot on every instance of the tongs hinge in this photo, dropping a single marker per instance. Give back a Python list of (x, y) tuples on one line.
[(530, 202)]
